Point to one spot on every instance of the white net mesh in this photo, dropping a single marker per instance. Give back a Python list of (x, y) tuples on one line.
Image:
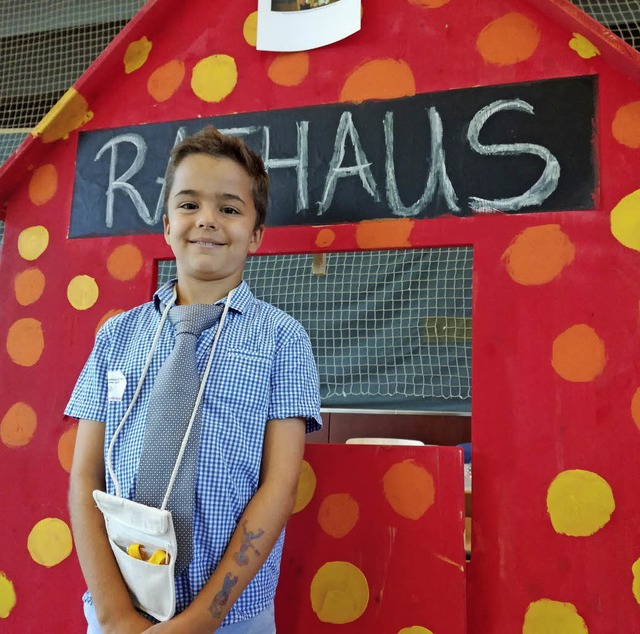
[(389, 328), (45, 45)]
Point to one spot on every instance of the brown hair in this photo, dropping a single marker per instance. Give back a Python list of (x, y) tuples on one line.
[(211, 141)]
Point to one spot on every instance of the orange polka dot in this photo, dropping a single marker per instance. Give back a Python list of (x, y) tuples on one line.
[(409, 489), (18, 425), (289, 69), (430, 4), (108, 315), (66, 445), (124, 262), (379, 234), (508, 40), (338, 514), (325, 238), (165, 80), (29, 286), (578, 354), (538, 255), (25, 341), (626, 125), (43, 184), (635, 408), (379, 79)]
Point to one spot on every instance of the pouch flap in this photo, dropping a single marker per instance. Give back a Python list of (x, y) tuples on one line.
[(139, 516)]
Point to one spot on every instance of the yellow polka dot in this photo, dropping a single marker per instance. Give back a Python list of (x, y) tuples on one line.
[(625, 221), (583, 47), (69, 114), (214, 78), (306, 486), (82, 292), (339, 593), (33, 242), (7, 596), (415, 629), (553, 617), (29, 286), (137, 54), (579, 503), (18, 425), (43, 184), (25, 341), (250, 29), (635, 587), (50, 542)]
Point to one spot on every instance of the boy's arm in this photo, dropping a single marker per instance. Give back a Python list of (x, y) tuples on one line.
[(258, 529), (111, 600)]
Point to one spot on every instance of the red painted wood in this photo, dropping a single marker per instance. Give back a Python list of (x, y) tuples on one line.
[(414, 568)]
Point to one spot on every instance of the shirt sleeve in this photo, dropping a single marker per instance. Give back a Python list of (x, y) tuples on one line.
[(89, 397), (295, 390)]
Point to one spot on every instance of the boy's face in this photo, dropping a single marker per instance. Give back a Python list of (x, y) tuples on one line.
[(210, 221)]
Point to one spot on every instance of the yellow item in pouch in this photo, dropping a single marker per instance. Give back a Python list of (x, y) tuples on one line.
[(159, 557), (135, 551)]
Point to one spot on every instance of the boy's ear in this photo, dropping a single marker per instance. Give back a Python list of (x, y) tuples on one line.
[(167, 229), (256, 239)]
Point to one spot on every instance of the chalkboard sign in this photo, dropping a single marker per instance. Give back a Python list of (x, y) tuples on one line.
[(516, 148)]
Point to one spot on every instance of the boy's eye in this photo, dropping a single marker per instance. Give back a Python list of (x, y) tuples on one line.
[(229, 210), (188, 206)]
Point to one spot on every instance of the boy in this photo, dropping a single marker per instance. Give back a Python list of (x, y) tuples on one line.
[(261, 394)]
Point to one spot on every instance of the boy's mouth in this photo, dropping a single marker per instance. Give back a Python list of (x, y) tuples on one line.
[(207, 243)]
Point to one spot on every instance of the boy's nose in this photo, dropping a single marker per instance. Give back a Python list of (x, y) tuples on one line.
[(207, 219)]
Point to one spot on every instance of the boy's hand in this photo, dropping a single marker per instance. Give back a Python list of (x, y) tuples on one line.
[(132, 623), (187, 622)]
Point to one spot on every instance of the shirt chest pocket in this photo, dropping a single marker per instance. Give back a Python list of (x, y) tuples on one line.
[(243, 381)]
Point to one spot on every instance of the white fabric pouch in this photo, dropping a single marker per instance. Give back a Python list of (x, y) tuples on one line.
[(152, 586)]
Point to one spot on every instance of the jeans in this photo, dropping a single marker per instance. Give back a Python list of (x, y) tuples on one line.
[(262, 623)]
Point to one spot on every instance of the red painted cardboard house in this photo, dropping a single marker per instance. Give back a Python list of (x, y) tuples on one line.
[(511, 127)]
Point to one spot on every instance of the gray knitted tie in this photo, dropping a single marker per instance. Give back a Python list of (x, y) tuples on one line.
[(171, 405)]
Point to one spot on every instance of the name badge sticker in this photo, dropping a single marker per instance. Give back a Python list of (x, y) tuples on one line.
[(116, 384)]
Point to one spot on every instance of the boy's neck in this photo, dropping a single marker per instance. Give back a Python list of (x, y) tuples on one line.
[(203, 292)]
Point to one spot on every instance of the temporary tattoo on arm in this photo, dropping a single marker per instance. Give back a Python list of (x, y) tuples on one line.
[(241, 558), (220, 600)]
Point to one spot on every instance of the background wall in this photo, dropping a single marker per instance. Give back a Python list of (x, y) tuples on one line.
[(555, 310)]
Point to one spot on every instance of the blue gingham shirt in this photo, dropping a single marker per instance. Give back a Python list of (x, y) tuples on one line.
[(263, 369)]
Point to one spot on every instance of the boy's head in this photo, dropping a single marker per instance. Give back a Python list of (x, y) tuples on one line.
[(212, 142)]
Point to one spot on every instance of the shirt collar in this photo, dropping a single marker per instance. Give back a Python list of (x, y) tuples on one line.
[(240, 300)]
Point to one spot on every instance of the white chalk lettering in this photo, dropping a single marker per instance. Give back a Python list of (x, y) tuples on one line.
[(300, 161), (437, 173), (121, 182), (336, 171), (544, 186)]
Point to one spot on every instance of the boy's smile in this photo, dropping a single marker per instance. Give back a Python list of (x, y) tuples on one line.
[(210, 224)]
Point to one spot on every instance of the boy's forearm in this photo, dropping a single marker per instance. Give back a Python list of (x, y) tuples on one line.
[(250, 545), (111, 600), (109, 593)]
